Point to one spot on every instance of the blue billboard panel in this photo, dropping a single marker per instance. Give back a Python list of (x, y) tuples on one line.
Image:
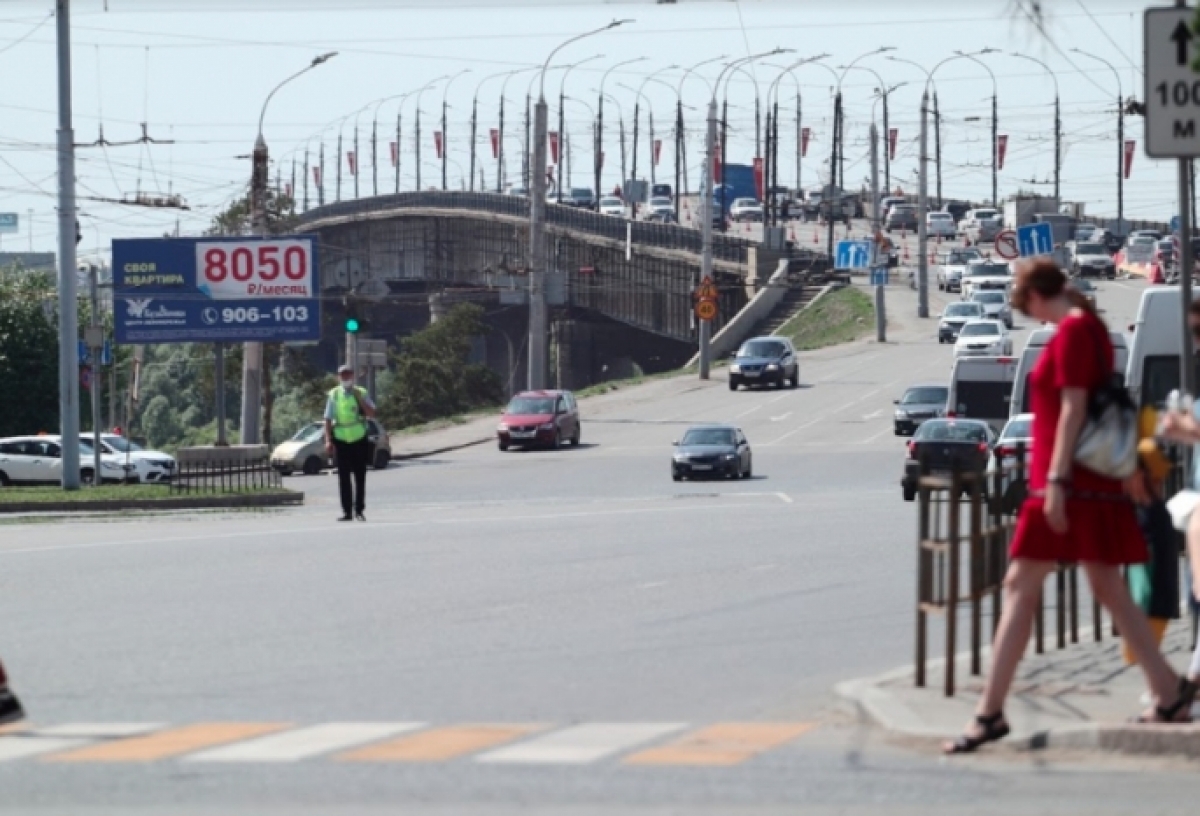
[(216, 290)]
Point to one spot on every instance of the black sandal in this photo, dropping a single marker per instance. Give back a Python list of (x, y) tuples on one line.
[(1185, 696), (993, 728)]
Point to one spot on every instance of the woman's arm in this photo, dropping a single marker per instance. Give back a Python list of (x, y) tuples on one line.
[(1070, 423)]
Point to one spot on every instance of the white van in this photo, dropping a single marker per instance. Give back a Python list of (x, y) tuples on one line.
[(981, 388), (1033, 350), (1153, 370)]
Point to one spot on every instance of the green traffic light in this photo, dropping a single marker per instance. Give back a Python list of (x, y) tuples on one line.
[(351, 325)]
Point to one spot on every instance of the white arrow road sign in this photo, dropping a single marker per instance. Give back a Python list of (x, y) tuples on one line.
[(1172, 90)]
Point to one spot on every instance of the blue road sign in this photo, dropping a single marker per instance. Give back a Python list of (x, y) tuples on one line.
[(1174, 223), (216, 290), (85, 354), (1035, 239), (879, 276), (853, 255)]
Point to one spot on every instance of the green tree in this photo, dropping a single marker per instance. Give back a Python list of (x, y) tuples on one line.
[(28, 355), (433, 378)]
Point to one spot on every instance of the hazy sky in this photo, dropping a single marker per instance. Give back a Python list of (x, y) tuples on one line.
[(197, 72)]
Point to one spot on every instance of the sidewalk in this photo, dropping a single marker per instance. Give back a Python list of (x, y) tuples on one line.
[(1080, 698)]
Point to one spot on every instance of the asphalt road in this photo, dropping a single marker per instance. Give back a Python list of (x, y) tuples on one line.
[(530, 632)]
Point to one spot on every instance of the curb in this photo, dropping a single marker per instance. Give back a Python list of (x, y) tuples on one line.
[(404, 457), (196, 503), (875, 705)]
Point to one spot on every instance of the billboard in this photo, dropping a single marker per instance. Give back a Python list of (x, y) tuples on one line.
[(216, 290)]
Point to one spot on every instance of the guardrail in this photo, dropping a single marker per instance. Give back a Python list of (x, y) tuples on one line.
[(234, 469), (641, 233), (989, 503)]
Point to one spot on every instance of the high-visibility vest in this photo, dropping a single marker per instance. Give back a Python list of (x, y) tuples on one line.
[(349, 426)]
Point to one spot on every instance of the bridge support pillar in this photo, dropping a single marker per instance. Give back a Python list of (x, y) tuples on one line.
[(437, 306)]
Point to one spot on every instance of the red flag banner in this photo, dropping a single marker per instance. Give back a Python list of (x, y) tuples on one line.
[(554, 146), (1130, 147), (395, 154), (287, 189), (495, 143), (1001, 150), (353, 162), (805, 135), (317, 176), (657, 151), (893, 140), (716, 160), (437, 143), (758, 177)]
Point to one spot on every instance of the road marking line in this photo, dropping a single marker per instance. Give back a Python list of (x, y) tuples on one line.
[(652, 585), (441, 744), (874, 414), (781, 417), (722, 744), (581, 744), (871, 439), (19, 745), (785, 497), (303, 743), (166, 744), (98, 730), (820, 417)]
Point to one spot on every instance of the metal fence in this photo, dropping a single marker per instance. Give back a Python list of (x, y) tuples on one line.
[(966, 520), (236, 469), (640, 233)]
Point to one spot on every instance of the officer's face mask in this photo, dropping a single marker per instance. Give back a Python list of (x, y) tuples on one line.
[(347, 382)]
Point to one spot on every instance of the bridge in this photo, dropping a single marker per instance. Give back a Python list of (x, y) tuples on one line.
[(620, 291)]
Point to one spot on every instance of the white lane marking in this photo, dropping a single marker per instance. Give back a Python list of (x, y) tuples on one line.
[(302, 743), (874, 438), (821, 417), (785, 497), (763, 568), (581, 744), (19, 746), (874, 414), (653, 585), (97, 730), (781, 417)]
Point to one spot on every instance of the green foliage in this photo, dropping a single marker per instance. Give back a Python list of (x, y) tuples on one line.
[(235, 219), (28, 355), (432, 377)]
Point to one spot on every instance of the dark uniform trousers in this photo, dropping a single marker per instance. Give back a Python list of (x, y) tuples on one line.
[(352, 461)]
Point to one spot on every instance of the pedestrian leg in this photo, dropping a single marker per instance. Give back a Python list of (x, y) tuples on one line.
[(345, 465), (1022, 589), (10, 706), (361, 453)]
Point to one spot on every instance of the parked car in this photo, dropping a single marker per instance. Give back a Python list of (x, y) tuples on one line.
[(983, 338), (955, 316), (31, 460), (940, 225), (995, 306), (1088, 258), (945, 445), (919, 404), (305, 451), (952, 263), (540, 419), (765, 361), (581, 197), (981, 225), (611, 205), (150, 467), (746, 209), (712, 450), (901, 217)]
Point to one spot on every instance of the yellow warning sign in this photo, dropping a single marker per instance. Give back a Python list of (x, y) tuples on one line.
[(706, 309)]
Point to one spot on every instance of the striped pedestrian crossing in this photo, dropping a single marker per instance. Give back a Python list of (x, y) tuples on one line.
[(635, 744)]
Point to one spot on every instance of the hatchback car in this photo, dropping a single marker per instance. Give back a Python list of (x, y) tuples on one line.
[(765, 361), (983, 338), (919, 404), (955, 316), (305, 451), (712, 450), (945, 446), (545, 419), (995, 305)]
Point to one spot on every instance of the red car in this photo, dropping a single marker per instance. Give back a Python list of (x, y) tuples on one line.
[(539, 419)]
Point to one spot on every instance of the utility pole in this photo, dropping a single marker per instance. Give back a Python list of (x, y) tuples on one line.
[(679, 169), (995, 155), (766, 158), (537, 250), (499, 150), (653, 155), (937, 146), (922, 206), (636, 117), (1186, 263), (95, 343), (880, 311), (707, 199), (724, 147), (526, 152), (624, 192), (399, 144), (375, 156), (474, 117), (68, 308), (357, 159), (338, 191), (775, 164), (445, 136), (562, 145), (1121, 185), (252, 353), (1057, 145), (598, 150), (306, 171), (887, 148), (321, 184), (417, 142), (827, 199), (799, 145)]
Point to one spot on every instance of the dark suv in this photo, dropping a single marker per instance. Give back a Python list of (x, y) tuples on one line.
[(765, 361)]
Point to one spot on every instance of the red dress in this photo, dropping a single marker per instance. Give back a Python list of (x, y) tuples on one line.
[(1100, 529)]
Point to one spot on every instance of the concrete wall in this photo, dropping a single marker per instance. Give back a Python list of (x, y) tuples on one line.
[(740, 327)]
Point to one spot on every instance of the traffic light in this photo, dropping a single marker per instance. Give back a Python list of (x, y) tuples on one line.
[(352, 325), (354, 321)]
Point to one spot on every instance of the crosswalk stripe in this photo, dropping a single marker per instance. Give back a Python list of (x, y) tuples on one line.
[(440, 744), (581, 744), (721, 744), (164, 744), (303, 743), (98, 730)]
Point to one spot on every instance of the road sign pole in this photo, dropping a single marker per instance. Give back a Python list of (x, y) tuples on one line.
[(880, 318), (706, 228), (1186, 263), (68, 308), (922, 206)]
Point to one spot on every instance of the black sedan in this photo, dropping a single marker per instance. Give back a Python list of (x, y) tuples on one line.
[(946, 445), (712, 450)]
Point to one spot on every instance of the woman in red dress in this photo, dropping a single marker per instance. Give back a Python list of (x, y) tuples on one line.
[(1072, 514)]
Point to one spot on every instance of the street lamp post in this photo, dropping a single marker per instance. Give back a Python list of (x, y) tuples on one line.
[(600, 126), (500, 129), (885, 93), (417, 134), (995, 124), (1120, 139), (1057, 120), (621, 131), (772, 152), (562, 122), (680, 134), (537, 223), (445, 132), (252, 353)]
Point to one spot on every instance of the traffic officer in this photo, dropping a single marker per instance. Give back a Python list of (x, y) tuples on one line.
[(346, 413)]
